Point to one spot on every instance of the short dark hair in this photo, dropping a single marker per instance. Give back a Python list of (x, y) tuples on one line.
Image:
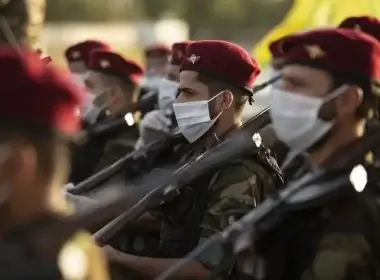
[(127, 86), (215, 86), (53, 148)]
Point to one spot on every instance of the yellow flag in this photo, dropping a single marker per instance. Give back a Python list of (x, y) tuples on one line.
[(307, 14)]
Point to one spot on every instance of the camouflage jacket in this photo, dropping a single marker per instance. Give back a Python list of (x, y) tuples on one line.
[(232, 192), (335, 239)]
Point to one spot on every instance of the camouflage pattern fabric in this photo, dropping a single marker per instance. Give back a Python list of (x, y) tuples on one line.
[(343, 251), (327, 242), (117, 147), (235, 191), (81, 259), (26, 19)]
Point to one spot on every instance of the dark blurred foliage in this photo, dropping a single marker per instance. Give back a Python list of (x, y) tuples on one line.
[(215, 18)]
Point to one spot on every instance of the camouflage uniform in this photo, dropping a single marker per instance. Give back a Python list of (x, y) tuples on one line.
[(221, 198), (327, 241), (26, 19), (236, 190)]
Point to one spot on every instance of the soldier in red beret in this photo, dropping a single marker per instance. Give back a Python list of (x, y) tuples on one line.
[(366, 24), (216, 80), (78, 58), (114, 80), (328, 92), (156, 63), (38, 117), (159, 121)]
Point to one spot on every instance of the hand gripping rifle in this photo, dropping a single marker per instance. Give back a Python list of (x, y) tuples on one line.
[(108, 231), (310, 190)]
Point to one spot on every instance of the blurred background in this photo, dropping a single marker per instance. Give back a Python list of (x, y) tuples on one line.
[(130, 25)]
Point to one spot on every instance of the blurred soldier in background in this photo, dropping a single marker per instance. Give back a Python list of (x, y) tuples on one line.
[(366, 24), (159, 122), (38, 117), (115, 82), (78, 57), (156, 64), (320, 110), (208, 108)]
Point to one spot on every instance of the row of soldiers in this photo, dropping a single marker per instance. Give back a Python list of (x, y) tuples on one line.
[(324, 102)]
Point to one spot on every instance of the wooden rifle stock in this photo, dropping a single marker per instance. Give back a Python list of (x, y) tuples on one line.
[(108, 231)]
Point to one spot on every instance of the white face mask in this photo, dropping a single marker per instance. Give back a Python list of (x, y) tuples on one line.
[(167, 93), (193, 118), (295, 118)]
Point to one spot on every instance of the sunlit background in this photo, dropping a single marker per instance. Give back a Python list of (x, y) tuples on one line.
[(129, 25)]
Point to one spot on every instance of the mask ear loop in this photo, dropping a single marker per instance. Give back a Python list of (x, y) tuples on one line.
[(262, 86)]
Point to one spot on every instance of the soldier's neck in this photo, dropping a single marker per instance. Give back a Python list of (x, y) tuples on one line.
[(221, 131), (337, 140)]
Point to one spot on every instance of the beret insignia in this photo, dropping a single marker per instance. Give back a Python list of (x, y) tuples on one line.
[(105, 64), (193, 58), (314, 51)]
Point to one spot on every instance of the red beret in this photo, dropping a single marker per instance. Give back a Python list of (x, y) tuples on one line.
[(222, 60), (178, 52), (114, 64), (342, 51), (277, 47), (157, 50), (34, 94), (82, 50), (366, 24)]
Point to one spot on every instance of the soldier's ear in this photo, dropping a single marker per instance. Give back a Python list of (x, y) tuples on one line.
[(352, 99), (227, 99)]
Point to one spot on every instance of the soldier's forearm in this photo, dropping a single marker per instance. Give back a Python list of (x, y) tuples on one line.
[(152, 267)]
